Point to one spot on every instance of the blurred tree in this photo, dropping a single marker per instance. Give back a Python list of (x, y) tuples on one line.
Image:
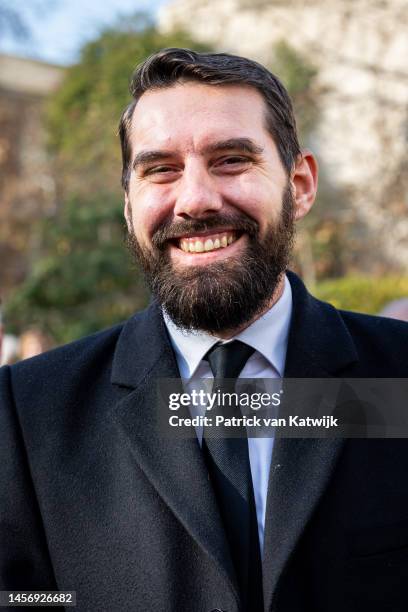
[(83, 279), (11, 21), (14, 18), (362, 293), (299, 77), (84, 114), (323, 233)]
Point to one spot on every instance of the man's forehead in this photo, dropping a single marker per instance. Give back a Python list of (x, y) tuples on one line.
[(197, 114)]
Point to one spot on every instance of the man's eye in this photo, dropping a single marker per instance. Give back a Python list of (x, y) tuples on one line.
[(233, 160), (159, 170)]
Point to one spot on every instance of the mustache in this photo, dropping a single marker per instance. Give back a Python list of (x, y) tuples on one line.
[(169, 230)]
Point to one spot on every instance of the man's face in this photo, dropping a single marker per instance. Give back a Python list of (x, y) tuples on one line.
[(209, 207)]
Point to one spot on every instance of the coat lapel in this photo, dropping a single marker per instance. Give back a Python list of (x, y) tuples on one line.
[(319, 346), (175, 467)]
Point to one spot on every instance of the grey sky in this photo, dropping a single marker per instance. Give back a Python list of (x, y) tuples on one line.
[(59, 30)]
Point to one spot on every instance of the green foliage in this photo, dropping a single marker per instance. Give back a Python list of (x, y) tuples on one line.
[(84, 281), (362, 294), (84, 113), (299, 77), (324, 228)]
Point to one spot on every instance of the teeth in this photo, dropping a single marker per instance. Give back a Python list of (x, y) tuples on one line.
[(200, 246)]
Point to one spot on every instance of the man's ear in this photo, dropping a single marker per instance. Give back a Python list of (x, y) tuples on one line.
[(304, 179), (128, 213)]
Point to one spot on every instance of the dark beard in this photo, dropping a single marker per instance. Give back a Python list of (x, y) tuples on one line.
[(220, 296)]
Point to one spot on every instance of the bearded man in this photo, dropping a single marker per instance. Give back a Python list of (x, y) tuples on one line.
[(95, 499)]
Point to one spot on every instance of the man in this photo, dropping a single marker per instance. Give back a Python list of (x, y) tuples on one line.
[(94, 497)]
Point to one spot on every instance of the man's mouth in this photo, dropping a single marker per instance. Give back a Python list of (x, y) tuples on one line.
[(207, 242)]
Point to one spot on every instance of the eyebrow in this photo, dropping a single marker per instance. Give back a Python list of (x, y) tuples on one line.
[(245, 145), (240, 144)]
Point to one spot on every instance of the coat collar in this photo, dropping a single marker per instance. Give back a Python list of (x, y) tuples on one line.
[(143, 345), (319, 346), (319, 343), (175, 467)]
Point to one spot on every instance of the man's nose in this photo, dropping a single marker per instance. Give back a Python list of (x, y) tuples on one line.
[(198, 195)]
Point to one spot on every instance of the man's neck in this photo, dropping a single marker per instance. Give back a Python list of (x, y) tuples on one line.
[(230, 333)]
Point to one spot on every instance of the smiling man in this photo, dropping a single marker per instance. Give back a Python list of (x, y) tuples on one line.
[(211, 198), (94, 497)]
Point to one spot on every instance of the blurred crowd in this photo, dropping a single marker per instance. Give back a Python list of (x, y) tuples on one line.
[(30, 343)]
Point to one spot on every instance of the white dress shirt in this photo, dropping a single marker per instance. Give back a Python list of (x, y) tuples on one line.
[(268, 335)]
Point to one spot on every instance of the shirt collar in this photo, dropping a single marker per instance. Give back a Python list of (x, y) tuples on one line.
[(268, 335)]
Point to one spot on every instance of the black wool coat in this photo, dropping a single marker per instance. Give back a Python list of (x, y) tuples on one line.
[(93, 499)]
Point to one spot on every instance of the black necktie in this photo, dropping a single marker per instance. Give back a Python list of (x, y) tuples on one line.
[(228, 465)]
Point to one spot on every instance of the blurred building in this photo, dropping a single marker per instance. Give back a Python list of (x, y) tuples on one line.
[(360, 48), (27, 188)]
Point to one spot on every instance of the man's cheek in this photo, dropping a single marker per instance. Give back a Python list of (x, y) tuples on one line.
[(143, 227), (151, 219), (249, 200)]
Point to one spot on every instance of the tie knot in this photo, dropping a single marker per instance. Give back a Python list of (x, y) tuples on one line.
[(228, 360)]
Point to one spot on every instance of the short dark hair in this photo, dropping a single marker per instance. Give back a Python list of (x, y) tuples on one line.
[(169, 66)]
